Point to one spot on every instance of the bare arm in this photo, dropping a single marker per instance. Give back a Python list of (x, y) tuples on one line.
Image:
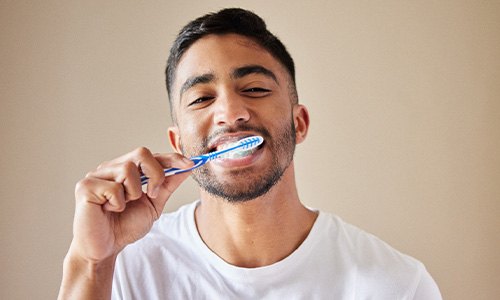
[(111, 212), (86, 280)]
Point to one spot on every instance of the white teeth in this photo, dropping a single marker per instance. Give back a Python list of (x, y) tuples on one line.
[(241, 146), (238, 153), (226, 145)]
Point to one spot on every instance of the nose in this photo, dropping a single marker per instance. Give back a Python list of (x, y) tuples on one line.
[(230, 109)]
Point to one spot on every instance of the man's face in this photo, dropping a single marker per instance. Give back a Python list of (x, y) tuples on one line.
[(226, 88)]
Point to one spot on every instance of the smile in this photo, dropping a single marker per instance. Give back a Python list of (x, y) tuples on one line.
[(235, 154), (235, 159)]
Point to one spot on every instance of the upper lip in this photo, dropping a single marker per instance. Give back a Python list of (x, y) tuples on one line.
[(227, 138)]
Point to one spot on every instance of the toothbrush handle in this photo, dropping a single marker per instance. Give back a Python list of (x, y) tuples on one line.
[(198, 162)]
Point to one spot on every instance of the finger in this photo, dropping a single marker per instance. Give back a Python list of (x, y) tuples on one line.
[(109, 194), (173, 160), (168, 160), (152, 169), (126, 173), (170, 184), (146, 163)]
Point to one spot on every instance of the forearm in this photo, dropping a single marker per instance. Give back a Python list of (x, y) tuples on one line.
[(86, 280)]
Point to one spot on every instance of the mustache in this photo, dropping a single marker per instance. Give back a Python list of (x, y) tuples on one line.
[(234, 129)]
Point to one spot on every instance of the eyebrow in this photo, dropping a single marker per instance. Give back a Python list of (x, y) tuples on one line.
[(253, 69), (235, 74), (195, 80)]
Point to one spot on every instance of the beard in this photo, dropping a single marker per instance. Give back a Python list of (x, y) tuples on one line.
[(250, 184)]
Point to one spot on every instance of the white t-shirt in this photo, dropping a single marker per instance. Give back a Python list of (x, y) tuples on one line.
[(335, 261)]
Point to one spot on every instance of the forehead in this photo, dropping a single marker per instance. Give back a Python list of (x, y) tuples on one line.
[(219, 55)]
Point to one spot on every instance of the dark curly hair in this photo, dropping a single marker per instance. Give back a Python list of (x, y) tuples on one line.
[(229, 20)]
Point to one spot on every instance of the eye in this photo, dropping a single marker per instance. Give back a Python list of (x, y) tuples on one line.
[(257, 92), (200, 100)]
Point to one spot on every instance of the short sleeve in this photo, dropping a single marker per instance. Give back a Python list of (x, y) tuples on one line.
[(427, 288)]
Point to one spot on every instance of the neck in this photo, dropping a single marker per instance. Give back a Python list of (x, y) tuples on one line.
[(257, 232)]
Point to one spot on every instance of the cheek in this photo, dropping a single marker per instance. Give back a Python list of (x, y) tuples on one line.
[(190, 123), (192, 132), (277, 116), (279, 106)]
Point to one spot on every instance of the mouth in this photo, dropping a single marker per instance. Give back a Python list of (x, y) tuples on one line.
[(231, 141)]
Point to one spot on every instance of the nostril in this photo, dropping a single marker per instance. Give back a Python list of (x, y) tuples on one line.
[(229, 111), (229, 121)]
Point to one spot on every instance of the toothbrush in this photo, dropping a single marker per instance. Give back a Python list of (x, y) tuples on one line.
[(244, 144)]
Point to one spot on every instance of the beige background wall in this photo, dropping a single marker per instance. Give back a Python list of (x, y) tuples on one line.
[(404, 99)]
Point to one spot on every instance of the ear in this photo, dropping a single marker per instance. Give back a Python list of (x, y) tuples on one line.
[(175, 139), (301, 122)]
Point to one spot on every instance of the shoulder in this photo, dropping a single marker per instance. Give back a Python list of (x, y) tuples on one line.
[(376, 265), (366, 248)]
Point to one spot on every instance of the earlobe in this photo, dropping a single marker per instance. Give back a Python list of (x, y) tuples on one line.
[(301, 122), (174, 139)]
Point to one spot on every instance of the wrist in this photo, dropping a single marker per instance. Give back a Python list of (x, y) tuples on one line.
[(90, 268), (86, 279)]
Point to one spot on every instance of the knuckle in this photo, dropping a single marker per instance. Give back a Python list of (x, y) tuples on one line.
[(83, 184), (128, 168), (102, 165), (142, 152), (83, 189), (116, 189)]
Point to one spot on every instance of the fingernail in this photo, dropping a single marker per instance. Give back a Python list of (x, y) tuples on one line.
[(187, 161)]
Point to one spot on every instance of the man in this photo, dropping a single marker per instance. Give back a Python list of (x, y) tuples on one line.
[(249, 236)]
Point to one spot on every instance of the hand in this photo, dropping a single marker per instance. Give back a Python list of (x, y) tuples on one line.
[(112, 210)]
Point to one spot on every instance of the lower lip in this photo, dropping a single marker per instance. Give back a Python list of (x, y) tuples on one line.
[(239, 162)]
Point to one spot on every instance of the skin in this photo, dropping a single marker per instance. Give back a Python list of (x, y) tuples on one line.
[(112, 211)]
